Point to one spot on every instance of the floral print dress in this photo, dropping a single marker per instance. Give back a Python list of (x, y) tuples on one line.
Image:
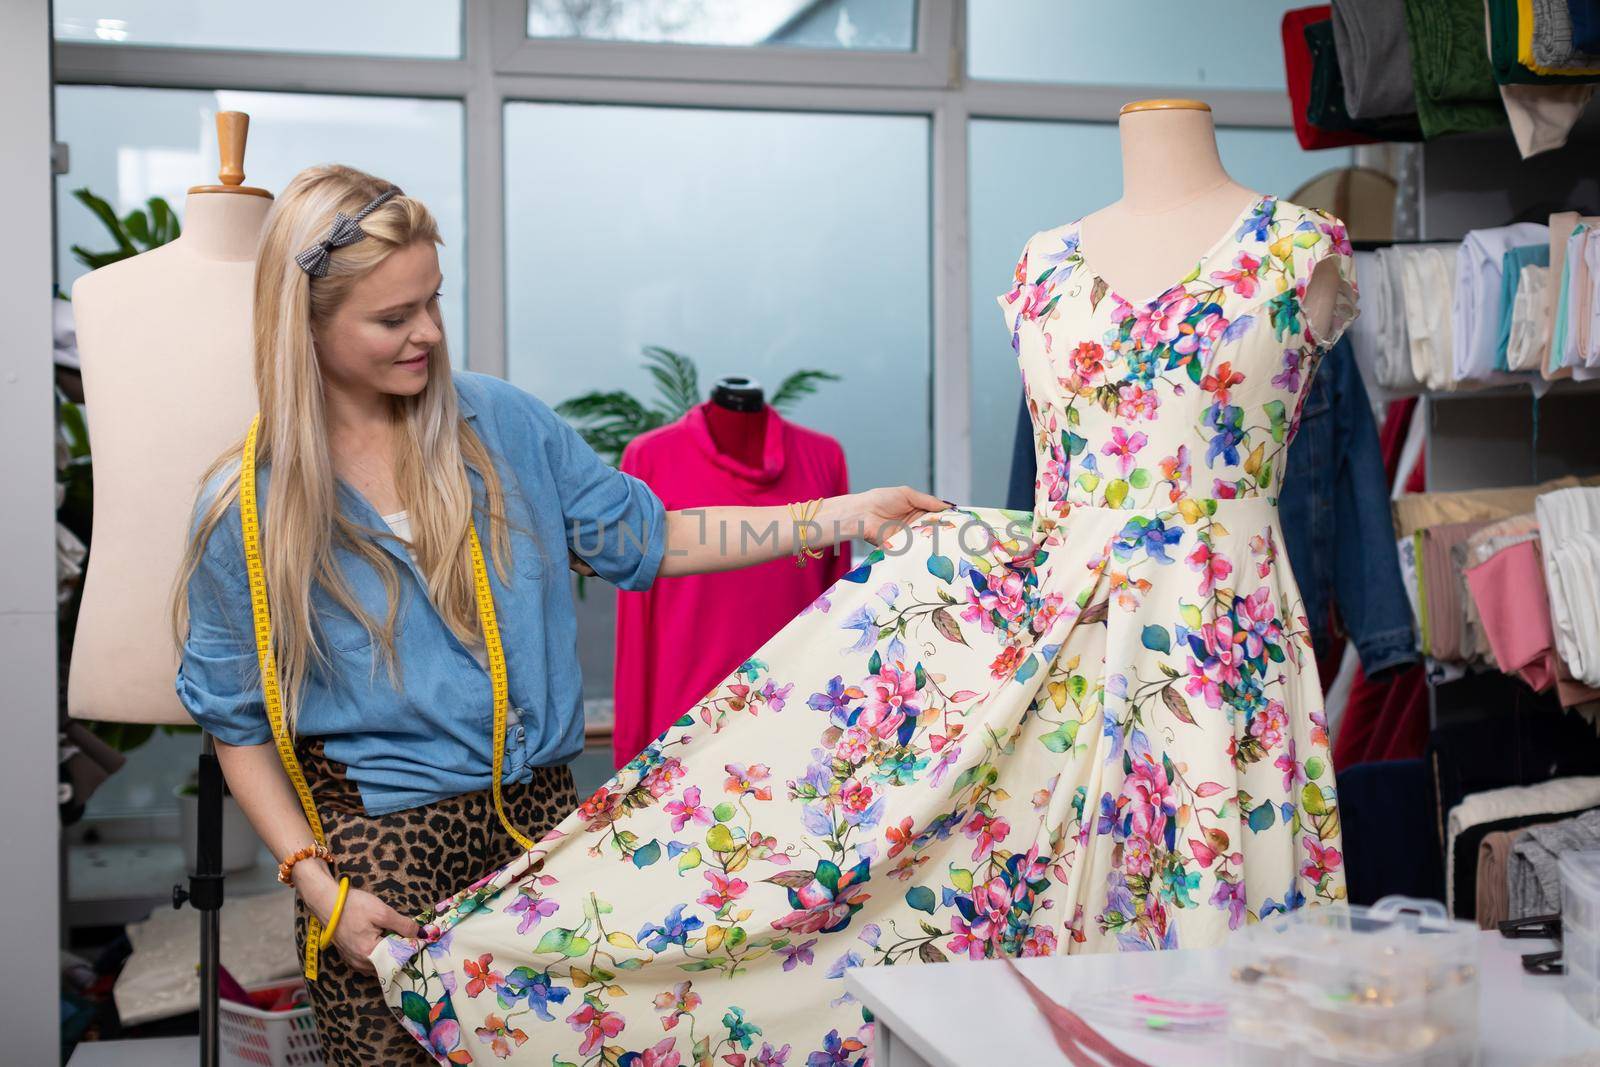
[(1095, 727)]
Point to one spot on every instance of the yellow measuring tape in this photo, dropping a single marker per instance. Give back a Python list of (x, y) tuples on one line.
[(273, 696)]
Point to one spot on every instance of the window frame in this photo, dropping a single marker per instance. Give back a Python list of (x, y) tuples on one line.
[(500, 64)]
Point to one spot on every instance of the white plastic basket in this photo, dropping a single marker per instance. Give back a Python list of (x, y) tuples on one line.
[(250, 1037)]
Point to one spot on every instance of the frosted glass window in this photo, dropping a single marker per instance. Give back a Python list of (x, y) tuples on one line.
[(756, 243), (1223, 44), (1083, 164), (867, 25), (128, 145), (419, 28)]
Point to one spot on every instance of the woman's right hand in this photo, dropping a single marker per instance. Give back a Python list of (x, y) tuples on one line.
[(362, 924), (365, 921)]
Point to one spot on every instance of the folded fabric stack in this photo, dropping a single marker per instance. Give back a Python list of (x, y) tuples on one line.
[(1545, 76), (1361, 71), (1573, 305), (1508, 304), (1484, 303), (1569, 520), (1509, 580)]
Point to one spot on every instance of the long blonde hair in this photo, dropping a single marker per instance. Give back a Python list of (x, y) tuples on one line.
[(301, 524)]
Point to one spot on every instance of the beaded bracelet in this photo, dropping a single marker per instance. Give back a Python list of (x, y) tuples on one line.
[(320, 852)]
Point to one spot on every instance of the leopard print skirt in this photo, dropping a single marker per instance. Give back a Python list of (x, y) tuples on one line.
[(410, 860)]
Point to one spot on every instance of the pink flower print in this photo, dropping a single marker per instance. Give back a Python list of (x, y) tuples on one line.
[(1136, 858), (1150, 801), (966, 941), (1123, 447), (662, 1054), (1047, 612), (1087, 361), (1260, 622), (1200, 336), (1242, 278), (595, 1026), (1003, 593), (677, 1001), (1213, 567), (1161, 322), (689, 809), (1136, 402), (1268, 725), (988, 830), (1041, 941), (1293, 772), (853, 745), (742, 781), (724, 890), (1221, 382), (891, 696), (1203, 682), (1321, 862)]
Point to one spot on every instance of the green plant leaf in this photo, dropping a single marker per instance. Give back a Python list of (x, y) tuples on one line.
[(676, 377), (800, 384)]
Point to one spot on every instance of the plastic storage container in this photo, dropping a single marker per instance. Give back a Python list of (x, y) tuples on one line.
[(1580, 932), (250, 1037), (1394, 985)]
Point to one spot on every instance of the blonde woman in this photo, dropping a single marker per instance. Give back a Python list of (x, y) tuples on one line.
[(372, 458)]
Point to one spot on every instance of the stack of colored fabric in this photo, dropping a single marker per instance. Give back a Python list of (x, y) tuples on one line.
[(1318, 95), (1509, 579), (1573, 304), (1546, 76), (1504, 305), (1402, 70), (1455, 86), (1482, 306)]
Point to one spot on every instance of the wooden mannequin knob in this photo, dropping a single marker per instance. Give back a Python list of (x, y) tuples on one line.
[(233, 130), (1164, 105)]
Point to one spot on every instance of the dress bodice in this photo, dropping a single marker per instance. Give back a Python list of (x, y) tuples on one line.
[(1191, 396)]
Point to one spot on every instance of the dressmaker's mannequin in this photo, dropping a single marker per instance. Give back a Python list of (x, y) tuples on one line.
[(737, 419), (1176, 202), (168, 384)]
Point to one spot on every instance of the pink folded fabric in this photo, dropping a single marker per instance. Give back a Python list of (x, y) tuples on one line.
[(1509, 591)]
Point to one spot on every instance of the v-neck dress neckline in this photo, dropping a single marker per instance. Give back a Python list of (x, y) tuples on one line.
[(1227, 238)]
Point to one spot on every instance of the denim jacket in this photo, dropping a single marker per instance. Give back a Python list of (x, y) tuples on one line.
[(1334, 509), (429, 737)]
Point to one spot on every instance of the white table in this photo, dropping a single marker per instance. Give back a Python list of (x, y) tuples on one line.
[(965, 1013)]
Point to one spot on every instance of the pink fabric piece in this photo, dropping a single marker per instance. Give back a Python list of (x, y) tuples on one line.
[(1509, 590), (681, 637)]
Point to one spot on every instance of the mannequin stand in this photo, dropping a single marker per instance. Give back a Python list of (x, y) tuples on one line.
[(205, 894)]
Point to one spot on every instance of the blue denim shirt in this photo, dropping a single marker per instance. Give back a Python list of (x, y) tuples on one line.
[(429, 738), (1334, 509)]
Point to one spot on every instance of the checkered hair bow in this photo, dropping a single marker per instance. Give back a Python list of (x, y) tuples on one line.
[(346, 230)]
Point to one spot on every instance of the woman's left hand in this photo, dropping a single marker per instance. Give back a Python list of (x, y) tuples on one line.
[(886, 510)]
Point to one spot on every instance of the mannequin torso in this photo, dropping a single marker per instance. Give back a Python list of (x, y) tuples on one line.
[(739, 434), (167, 378), (1176, 202)]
